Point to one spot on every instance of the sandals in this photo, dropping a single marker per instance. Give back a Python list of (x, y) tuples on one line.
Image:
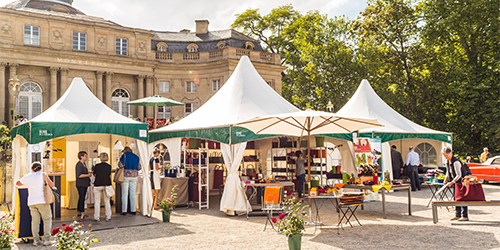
[(82, 217)]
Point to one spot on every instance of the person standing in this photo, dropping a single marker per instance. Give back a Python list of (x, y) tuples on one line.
[(453, 175), (154, 167), (82, 182), (102, 173), (301, 172), (412, 161), (485, 155), (397, 162), (131, 164), (36, 202)]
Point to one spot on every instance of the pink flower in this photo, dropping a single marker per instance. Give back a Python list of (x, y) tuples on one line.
[(170, 203), (281, 216), (301, 200), (274, 220), (55, 230), (293, 194), (63, 225), (6, 231)]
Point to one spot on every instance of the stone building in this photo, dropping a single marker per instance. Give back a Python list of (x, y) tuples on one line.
[(44, 44)]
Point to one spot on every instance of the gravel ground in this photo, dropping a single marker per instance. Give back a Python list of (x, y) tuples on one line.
[(212, 229)]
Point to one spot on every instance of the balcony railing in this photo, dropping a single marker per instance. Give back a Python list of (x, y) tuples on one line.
[(219, 54)]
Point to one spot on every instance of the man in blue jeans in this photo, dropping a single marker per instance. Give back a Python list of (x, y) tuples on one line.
[(412, 161), (131, 164), (301, 172)]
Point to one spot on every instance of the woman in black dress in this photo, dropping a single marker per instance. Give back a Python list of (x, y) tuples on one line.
[(102, 173), (82, 182)]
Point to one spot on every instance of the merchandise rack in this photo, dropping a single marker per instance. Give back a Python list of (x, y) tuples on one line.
[(203, 174)]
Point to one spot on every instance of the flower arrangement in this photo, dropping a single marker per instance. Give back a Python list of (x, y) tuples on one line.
[(433, 173), (291, 222), (168, 204), (7, 233), (72, 237)]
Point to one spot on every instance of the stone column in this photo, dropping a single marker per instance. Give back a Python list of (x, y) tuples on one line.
[(64, 81), (109, 75), (140, 94), (53, 84), (12, 99), (99, 85), (3, 93), (149, 92)]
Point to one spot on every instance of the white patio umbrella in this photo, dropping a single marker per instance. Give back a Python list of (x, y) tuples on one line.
[(310, 122)]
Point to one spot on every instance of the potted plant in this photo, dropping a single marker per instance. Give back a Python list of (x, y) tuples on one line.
[(168, 204), (7, 233), (292, 222), (433, 173), (72, 236), (441, 178)]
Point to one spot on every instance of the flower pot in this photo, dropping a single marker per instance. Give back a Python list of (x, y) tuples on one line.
[(294, 242), (5, 248), (166, 216)]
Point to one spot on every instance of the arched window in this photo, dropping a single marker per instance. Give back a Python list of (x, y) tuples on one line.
[(428, 154), (221, 45), (192, 47), (249, 45), (119, 99), (29, 102), (161, 47)]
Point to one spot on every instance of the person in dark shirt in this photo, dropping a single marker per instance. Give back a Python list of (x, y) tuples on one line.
[(102, 173), (397, 162), (154, 166), (82, 182), (301, 172)]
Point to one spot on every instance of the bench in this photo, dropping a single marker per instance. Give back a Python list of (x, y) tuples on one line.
[(436, 204)]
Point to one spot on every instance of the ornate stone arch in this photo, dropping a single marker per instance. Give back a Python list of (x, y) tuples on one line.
[(161, 47), (192, 47), (249, 45), (221, 44)]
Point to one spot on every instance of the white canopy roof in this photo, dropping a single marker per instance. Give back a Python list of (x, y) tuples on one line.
[(79, 104), (366, 103), (245, 95)]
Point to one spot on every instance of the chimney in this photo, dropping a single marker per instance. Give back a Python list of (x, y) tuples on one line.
[(201, 26)]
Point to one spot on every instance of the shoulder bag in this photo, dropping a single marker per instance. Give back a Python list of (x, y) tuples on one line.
[(110, 191), (49, 195), (120, 173)]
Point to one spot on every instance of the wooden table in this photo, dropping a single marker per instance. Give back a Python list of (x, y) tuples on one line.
[(254, 187), (394, 187)]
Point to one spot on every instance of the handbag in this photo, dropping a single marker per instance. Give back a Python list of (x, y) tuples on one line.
[(110, 191), (120, 173), (471, 192), (49, 194)]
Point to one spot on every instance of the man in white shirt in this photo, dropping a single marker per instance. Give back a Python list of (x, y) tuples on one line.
[(21, 120), (36, 202), (412, 161)]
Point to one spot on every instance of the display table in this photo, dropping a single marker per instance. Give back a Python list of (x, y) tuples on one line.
[(315, 202), (446, 195), (393, 187), (168, 183), (254, 187)]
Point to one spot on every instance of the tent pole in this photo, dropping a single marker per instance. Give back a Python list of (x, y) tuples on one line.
[(154, 116)]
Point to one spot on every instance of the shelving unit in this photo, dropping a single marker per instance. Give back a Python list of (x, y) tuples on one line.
[(283, 162), (319, 164), (203, 168)]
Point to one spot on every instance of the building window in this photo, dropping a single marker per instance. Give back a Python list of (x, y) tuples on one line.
[(190, 108), (221, 45), (215, 85), (31, 35), (29, 102), (164, 87), (190, 87), (249, 45), (161, 47), (79, 41), (164, 112), (427, 153), (192, 47), (119, 99), (121, 46)]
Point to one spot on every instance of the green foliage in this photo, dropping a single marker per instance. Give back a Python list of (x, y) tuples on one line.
[(72, 237), (5, 140), (169, 203), (7, 231), (292, 221)]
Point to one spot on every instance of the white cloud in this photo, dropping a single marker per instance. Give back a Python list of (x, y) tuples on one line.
[(177, 15)]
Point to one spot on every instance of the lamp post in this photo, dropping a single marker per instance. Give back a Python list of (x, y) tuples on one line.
[(329, 106), (14, 92)]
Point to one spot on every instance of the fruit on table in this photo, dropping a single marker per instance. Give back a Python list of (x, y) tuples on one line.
[(386, 183)]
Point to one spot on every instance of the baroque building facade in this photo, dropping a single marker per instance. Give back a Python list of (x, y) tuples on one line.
[(44, 44)]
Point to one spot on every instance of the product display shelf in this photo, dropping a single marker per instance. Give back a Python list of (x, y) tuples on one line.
[(283, 162), (202, 165), (319, 169)]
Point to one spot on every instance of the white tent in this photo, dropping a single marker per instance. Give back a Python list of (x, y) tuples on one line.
[(245, 95), (397, 129), (80, 115)]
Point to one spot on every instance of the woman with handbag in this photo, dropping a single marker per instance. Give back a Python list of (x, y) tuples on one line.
[(131, 164), (454, 175), (37, 204), (154, 167), (82, 182), (102, 184)]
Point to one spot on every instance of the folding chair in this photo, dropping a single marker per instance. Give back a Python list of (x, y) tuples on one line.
[(273, 198), (348, 213)]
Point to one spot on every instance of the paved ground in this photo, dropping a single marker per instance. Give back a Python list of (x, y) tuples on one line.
[(211, 229)]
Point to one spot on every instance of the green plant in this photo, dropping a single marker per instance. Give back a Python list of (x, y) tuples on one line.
[(7, 232), (169, 203), (292, 220), (441, 176), (5, 140), (72, 237)]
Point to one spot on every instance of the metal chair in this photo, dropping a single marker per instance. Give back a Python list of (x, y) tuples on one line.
[(273, 199)]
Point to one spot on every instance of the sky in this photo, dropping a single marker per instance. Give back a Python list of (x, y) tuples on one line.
[(162, 15)]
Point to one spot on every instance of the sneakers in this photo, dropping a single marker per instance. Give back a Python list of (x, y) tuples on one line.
[(463, 219), (48, 243), (455, 218), (37, 243), (108, 219), (97, 219)]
